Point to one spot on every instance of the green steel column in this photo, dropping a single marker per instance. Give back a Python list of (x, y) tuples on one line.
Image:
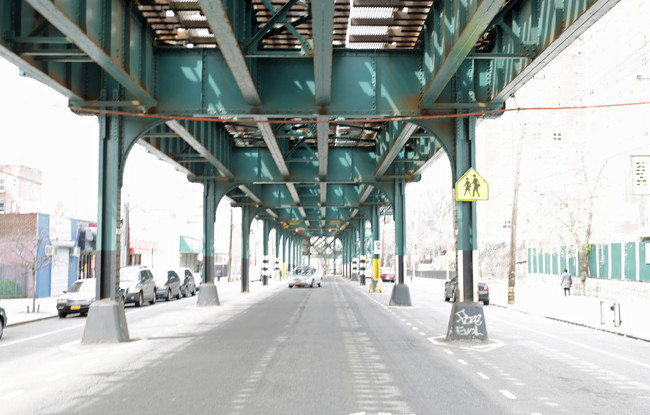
[(276, 263), (265, 260), (375, 239), (285, 254), (400, 228), (212, 193), (355, 253), (246, 218), (465, 211), (362, 256), (110, 156)]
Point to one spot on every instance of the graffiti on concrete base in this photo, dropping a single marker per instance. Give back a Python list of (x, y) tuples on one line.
[(468, 325)]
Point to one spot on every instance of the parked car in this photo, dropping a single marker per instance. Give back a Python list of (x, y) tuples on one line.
[(168, 285), (3, 320), (387, 274), (305, 277), (78, 298), (451, 289), (188, 282), (138, 284)]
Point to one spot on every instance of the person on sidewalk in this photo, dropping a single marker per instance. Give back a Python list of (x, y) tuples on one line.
[(566, 282)]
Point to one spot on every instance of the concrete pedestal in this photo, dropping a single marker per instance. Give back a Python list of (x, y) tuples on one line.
[(106, 323), (208, 295), (376, 286), (355, 277), (401, 295), (467, 322)]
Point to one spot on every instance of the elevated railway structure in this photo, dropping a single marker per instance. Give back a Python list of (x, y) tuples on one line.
[(309, 115)]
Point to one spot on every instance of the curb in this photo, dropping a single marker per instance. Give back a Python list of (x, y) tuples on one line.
[(20, 323), (629, 336)]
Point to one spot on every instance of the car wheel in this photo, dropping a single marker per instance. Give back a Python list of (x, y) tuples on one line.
[(2, 327), (169, 295), (83, 313), (62, 315), (140, 300), (486, 302), (178, 296), (312, 284), (193, 291), (290, 286), (153, 298), (319, 284)]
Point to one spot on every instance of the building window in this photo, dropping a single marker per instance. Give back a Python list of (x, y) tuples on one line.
[(2, 208), (507, 225), (557, 136), (13, 206), (537, 136), (2, 185)]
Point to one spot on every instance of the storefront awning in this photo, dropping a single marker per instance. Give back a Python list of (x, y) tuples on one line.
[(190, 245)]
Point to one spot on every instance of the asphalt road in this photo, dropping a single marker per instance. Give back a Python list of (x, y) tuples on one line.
[(329, 350)]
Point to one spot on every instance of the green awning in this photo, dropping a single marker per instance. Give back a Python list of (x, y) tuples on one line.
[(190, 245)]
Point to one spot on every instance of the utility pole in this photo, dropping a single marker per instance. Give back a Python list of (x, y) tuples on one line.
[(513, 225)]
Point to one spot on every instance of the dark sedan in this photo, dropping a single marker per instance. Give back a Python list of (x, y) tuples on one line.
[(78, 298), (168, 285), (451, 290), (3, 320)]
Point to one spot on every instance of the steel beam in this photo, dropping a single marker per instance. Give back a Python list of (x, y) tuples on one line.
[(472, 31), (322, 28), (395, 149), (225, 36), (199, 147), (96, 52)]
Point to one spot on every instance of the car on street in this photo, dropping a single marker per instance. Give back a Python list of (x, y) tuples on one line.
[(3, 320), (387, 274), (77, 298), (138, 284), (168, 285), (451, 290), (188, 282), (305, 276)]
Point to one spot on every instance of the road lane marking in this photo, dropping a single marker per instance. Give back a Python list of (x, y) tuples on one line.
[(38, 336), (507, 394), (462, 362), (483, 375), (584, 346)]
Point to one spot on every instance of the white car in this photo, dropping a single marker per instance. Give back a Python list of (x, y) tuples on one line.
[(305, 277), (77, 298)]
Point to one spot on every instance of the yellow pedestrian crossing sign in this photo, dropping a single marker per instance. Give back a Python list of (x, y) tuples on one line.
[(471, 187)]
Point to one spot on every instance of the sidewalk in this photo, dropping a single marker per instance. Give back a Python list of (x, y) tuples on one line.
[(550, 302), (16, 308)]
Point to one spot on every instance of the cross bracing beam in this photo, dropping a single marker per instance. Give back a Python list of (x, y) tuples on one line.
[(112, 63), (467, 34), (322, 27), (229, 47), (407, 130)]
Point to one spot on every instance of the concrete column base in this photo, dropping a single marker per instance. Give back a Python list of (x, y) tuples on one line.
[(208, 295), (467, 322), (106, 323), (401, 295), (355, 277), (376, 285)]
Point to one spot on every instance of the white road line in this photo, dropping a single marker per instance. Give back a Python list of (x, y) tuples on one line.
[(507, 394), (606, 353), (12, 395), (462, 362), (483, 375), (422, 333), (449, 352), (49, 333), (414, 328)]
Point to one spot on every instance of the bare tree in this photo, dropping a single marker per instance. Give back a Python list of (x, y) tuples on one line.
[(26, 248), (577, 212)]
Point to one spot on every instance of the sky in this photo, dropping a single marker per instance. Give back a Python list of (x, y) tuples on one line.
[(39, 131)]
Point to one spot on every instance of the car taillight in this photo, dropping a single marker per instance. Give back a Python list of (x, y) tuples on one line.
[(486, 287)]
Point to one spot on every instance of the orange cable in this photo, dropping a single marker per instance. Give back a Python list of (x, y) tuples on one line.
[(353, 120)]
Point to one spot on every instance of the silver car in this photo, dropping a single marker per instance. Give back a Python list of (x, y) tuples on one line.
[(138, 285), (3, 320), (305, 276)]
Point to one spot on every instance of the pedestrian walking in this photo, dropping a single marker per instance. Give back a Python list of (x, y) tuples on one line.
[(566, 282)]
